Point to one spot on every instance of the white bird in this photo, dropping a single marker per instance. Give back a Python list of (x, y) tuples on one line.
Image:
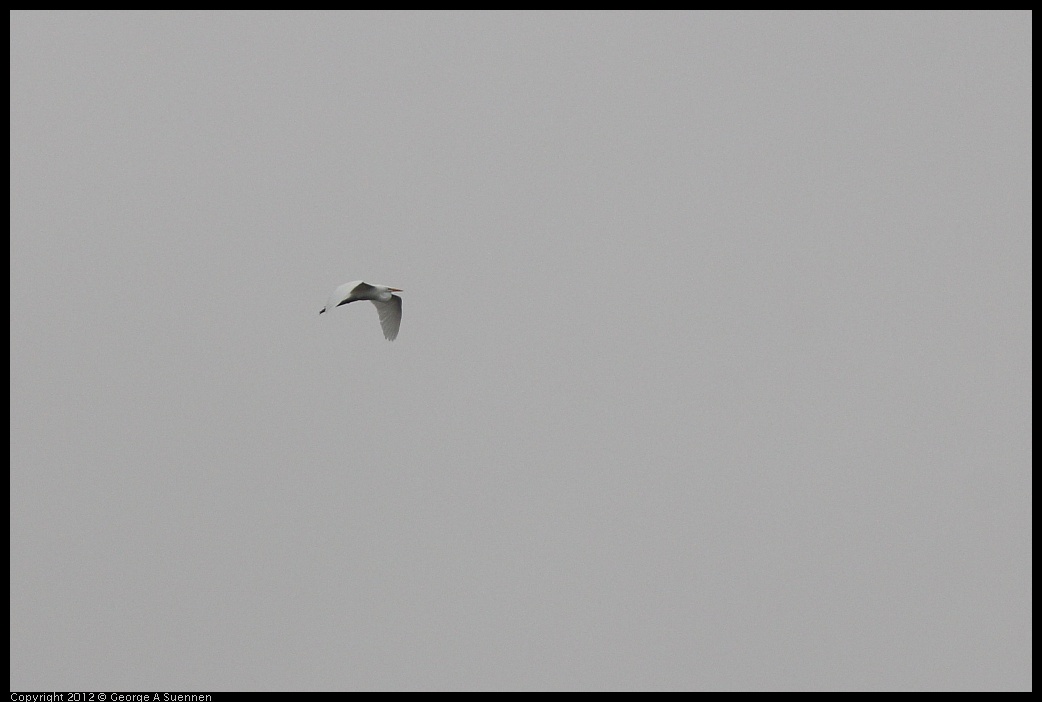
[(389, 306)]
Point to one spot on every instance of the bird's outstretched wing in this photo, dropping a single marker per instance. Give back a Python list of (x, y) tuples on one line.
[(390, 316), (344, 294)]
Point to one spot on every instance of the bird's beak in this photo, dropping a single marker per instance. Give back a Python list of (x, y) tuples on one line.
[(395, 289)]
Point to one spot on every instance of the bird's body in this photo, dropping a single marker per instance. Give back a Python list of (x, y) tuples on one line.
[(388, 305)]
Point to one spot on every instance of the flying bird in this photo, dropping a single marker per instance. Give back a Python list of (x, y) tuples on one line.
[(387, 305)]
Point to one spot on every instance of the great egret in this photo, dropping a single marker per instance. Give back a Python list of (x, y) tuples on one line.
[(389, 306)]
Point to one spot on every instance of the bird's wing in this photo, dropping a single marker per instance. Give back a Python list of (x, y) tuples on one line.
[(390, 316), (343, 294)]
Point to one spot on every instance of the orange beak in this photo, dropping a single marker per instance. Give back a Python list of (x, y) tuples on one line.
[(395, 289)]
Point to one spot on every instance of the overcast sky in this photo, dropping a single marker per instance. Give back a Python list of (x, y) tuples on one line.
[(714, 370)]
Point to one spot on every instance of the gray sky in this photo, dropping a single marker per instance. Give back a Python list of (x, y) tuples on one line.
[(714, 371)]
